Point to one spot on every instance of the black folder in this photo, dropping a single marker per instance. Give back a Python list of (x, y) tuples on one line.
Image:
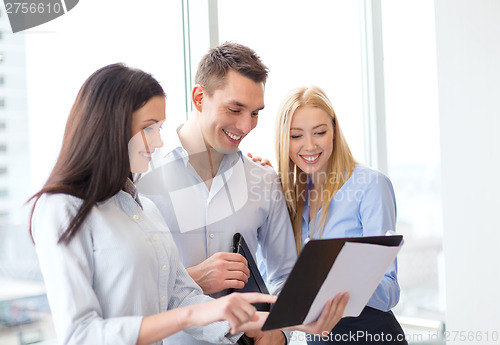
[(308, 275), (255, 282)]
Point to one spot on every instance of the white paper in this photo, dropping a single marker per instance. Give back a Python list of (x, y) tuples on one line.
[(358, 269)]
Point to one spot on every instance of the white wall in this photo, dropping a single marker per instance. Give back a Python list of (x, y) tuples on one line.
[(468, 60)]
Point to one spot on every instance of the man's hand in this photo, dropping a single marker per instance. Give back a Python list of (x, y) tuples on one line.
[(275, 337), (220, 271)]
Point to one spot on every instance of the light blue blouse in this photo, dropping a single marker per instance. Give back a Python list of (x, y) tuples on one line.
[(120, 266), (364, 206)]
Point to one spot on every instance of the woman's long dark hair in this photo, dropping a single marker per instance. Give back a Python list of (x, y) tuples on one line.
[(93, 164)]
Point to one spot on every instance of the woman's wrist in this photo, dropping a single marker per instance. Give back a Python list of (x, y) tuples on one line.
[(186, 318)]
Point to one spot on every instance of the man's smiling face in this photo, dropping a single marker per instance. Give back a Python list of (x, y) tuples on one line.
[(231, 112)]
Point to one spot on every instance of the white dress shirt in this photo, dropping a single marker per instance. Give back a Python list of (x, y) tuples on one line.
[(244, 197), (120, 266)]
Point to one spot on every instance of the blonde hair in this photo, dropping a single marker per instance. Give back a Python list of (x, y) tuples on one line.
[(293, 179)]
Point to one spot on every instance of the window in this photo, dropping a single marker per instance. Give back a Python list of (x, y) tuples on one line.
[(4, 193), (3, 170), (3, 125), (54, 91), (413, 152), (410, 79), (2, 102), (160, 54), (2, 80), (304, 57)]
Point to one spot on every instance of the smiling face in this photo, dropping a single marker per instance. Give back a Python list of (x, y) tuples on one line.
[(146, 125), (228, 115), (311, 140)]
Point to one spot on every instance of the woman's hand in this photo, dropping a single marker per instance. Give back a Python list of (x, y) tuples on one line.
[(330, 316), (258, 159), (235, 308)]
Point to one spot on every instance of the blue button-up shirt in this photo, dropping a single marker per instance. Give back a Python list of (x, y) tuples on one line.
[(364, 206)]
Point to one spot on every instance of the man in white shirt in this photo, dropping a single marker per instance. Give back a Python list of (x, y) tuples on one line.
[(207, 190)]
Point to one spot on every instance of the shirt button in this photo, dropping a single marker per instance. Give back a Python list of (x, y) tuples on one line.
[(164, 268), (212, 235), (154, 238), (136, 217), (163, 298)]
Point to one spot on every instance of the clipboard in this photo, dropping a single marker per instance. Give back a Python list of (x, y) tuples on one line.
[(324, 261)]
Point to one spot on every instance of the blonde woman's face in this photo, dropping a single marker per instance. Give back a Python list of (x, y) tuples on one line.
[(311, 139)]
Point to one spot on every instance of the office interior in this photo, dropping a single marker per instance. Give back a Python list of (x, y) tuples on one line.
[(414, 83)]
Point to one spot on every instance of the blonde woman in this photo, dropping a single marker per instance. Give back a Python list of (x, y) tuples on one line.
[(330, 195)]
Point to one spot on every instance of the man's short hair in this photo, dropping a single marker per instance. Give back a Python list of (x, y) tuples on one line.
[(215, 65)]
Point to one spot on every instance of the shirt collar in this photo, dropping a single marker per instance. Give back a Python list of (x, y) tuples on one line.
[(130, 188)]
